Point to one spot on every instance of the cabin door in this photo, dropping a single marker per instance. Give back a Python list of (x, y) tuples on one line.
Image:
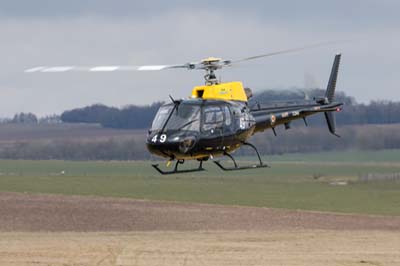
[(213, 126)]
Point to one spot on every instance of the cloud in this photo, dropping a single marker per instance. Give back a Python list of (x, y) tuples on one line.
[(363, 11), (178, 33)]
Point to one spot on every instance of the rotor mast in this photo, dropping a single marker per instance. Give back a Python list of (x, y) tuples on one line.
[(210, 78), (210, 65)]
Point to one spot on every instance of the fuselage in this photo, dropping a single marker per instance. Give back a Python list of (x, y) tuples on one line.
[(199, 129)]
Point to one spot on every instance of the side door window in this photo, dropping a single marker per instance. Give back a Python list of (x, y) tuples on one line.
[(213, 119), (228, 122), (239, 118)]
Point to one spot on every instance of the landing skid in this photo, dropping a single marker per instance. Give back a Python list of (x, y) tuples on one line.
[(176, 170), (236, 167)]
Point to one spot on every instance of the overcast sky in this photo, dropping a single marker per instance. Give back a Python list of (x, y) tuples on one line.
[(99, 32)]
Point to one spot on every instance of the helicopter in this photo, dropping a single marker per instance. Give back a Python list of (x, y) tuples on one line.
[(216, 120)]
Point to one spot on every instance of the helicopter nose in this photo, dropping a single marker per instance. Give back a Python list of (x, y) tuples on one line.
[(182, 143), (186, 144), (171, 145)]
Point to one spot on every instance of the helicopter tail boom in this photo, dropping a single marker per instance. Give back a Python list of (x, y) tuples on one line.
[(270, 117)]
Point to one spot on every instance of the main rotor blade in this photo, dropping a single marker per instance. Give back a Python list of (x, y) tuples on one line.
[(55, 69), (203, 65), (283, 51)]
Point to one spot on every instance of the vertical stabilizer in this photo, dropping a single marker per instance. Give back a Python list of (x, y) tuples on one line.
[(330, 95), (330, 90)]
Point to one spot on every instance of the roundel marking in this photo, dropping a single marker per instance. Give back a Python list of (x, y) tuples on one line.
[(273, 119)]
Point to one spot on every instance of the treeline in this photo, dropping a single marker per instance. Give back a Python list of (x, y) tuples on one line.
[(140, 117), (298, 139), (376, 112), (30, 118), (129, 117)]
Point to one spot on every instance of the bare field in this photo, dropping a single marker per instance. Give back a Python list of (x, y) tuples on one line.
[(75, 230), (57, 213), (298, 247), (41, 132)]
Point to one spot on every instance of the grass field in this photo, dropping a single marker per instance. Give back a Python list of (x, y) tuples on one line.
[(289, 183)]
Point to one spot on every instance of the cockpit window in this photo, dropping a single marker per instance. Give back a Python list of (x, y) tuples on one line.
[(185, 117), (161, 117)]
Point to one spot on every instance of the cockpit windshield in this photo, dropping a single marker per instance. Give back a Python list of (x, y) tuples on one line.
[(183, 117), (161, 117)]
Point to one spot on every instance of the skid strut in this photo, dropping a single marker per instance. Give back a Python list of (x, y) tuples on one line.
[(236, 166), (176, 170)]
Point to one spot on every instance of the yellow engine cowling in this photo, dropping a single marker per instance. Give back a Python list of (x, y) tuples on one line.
[(232, 91)]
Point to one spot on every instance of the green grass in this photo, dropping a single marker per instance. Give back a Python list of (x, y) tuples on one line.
[(349, 156), (288, 184)]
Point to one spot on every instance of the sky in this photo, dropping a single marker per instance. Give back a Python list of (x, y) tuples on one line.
[(122, 32)]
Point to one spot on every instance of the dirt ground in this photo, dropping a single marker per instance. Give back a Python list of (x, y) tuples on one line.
[(298, 247), (74, 230), (56, 213)]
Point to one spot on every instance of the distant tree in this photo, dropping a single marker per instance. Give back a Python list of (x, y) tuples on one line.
[(50, 119), (90, 114), (24, 118)]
